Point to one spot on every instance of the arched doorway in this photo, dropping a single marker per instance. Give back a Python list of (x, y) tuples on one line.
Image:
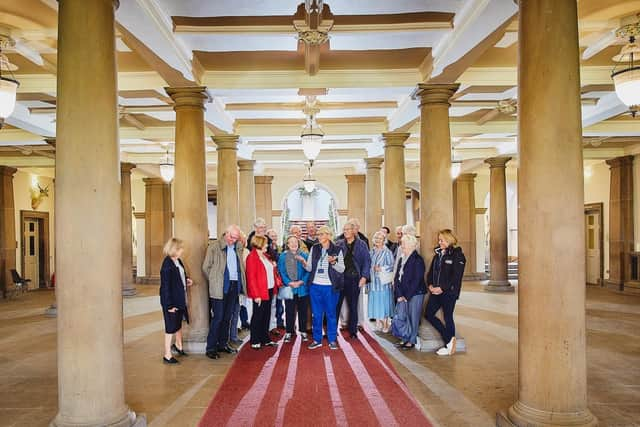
[(300, 206)]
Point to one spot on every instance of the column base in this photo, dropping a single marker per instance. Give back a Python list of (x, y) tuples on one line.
[(431, 341), (479, 276), (520, 415), (195, 341), (129, 292), (614, 285), (499, 286), (51, 311), (131, 419), (148, 280)]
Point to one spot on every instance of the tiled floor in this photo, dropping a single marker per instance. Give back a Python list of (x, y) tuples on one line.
[(465, 390)]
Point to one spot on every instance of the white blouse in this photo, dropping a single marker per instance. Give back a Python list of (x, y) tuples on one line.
[(268, 266)]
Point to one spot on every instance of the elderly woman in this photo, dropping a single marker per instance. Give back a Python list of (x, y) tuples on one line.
[(410, 288), (291, 267), (173, 298), (380, 288), (276, 321), (445, 282), (326, 267)]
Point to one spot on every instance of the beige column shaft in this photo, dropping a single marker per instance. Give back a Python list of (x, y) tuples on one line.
[(191, 222), (498, 233), (373, 197), (465, 218), (621, 237), (128, 285), (436, 190), (263, 199), (157, 225), (7, 229), (88, 220), (395, 207), (552, 376), (227, 147), (247, 195), (355, 196)]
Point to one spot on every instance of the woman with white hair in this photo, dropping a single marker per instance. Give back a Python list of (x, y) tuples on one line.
[(380, 293)]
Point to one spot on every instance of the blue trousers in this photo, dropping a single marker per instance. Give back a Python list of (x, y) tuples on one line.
[(351, 293), (279, 313), (222, 309), (233, 323), (415, 313), (323, 303)]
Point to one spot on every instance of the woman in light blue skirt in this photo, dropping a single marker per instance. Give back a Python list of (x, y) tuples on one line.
[(380, 291)]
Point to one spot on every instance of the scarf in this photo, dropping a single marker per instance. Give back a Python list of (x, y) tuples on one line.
[(291, 264)]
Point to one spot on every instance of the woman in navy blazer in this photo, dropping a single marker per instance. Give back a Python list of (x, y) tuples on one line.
[(410, 287), (173, 298)]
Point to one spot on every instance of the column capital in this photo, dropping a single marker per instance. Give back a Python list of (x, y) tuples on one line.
[(355, 178), (435, 94), (246, 165), (621, 161), (395, 139), (154, 181), (497, 162), (188, 97), (7, 170), (126, 167), (264, 179), (51, 141), (466, 177), (226, 142), (374, 162)]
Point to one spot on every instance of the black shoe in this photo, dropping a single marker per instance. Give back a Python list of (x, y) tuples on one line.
[(270, 344), (175, 349), (360, 328), (353, 336), (407, 347), (246, 326), (228, 350), (213, 355), (171, 361), (399, 344)]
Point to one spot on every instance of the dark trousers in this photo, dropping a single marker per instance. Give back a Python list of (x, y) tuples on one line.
[(279, 312), (244, 316), (351, 293), (446, 301), (298, 304), (222, 310), (260, 321)]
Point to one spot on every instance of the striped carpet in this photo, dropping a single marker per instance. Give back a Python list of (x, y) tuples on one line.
[(290, 385)]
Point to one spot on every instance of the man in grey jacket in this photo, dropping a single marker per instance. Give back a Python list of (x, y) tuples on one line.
[(225, 271)]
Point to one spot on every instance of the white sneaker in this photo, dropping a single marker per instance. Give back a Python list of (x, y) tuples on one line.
[(444, 351), (304, 336), (449, 349), (287, 337), (418, 344)]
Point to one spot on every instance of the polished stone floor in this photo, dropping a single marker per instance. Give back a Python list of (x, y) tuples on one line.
[(464, 390)]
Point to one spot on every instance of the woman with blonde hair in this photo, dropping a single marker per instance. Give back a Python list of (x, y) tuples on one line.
[(173, 298), (445, 281)]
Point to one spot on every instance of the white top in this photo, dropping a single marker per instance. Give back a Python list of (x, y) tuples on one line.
[(268, 266), (321, 275), (182, 276)]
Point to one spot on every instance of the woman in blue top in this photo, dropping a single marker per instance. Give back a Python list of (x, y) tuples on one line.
[(291, 266), (380, 288)]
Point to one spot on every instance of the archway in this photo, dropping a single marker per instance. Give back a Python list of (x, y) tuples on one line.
[(300, 206)]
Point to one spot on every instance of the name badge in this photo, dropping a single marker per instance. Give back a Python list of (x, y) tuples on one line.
[(448, 261), (321, 271)]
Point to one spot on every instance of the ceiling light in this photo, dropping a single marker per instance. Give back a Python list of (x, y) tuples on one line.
[(8, 86), (456, 166), (627, 80), (167, 170), (311, 139), (309, 182)]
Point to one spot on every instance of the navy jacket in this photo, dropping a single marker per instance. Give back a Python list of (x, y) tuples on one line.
[(446, 271), (361, 256), (360, 236), (412, 282), (337, 279), (171, 288)]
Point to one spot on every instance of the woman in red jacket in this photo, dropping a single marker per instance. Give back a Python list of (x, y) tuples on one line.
[(262, 285)]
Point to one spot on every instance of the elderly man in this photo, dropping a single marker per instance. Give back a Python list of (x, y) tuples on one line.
[(311, 239), (260, 229), (357, 262), (356, 223), (224, 269)]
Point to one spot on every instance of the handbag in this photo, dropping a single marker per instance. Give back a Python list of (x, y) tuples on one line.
[(385, 276), (400, 326), (285, 293)]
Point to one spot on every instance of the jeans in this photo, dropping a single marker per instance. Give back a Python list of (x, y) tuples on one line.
[(279, 312), (323, 303), (244, 316), (446, 301), (414, 314), (260, 321), (351, 293), (298, 304), (222, 310), (233, 322)]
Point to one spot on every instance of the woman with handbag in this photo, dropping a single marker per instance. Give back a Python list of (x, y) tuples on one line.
[(263, 282), (409, 288), (295, 291), (380, 292)]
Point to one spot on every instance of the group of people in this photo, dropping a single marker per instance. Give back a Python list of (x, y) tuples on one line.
[(317, 281)]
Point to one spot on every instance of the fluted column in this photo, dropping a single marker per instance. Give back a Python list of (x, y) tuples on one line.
[(465, 219), (88, 220), (436, 191), (264, 207), (552, 371), (128, 285), (498, 233), (621, 237), (373, 197), (157, 225), (247, 192), (191, 222), (356, 196), (227, 147), (395, 208), (7, 228)]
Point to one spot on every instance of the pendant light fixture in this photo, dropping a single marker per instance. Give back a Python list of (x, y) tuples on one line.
[(8, 86), (167, 170), (309, 182), (627, 79)]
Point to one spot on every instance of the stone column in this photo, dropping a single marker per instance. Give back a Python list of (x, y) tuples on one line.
[(157, 226), (395, 208), (621, 237), (247, 195), (465, 219), (355, 196), (552, 371), (88, 220), (263, 199), (190, 192), (373, 197), (498, 233), (436, 191), (7, 229), (128, 285), (226, 148)]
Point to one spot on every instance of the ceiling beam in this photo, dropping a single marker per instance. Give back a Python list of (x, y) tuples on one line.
[(508, 76), (46, 83), (295, 106)]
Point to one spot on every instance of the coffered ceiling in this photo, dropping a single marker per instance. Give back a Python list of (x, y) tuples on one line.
[(248, 54)]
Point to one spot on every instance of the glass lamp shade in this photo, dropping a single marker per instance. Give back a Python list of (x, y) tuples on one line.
[(309, 184), (8, 89), (311, 144), (167, 172), (627, 84), (455, 169)]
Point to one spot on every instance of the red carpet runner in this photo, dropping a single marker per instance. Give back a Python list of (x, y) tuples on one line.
[(291, 385)]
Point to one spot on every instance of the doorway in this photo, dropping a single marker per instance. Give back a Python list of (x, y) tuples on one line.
[(34, 227), (593, 223)]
